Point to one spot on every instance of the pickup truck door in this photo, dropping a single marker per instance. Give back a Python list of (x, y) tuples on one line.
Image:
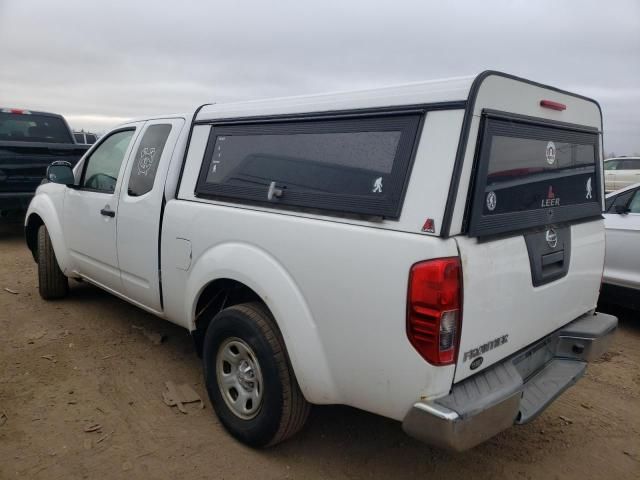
[(90, 210), (140, 210)]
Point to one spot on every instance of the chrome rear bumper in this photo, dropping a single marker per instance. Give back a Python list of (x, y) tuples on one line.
[(514, 391)]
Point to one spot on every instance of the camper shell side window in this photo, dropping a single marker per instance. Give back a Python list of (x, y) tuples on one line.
[(338, 165)]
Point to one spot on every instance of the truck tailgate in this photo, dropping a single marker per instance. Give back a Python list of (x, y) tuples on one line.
[(504, 312)]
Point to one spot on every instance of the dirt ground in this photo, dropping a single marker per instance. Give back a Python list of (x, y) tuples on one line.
[(66, 366)]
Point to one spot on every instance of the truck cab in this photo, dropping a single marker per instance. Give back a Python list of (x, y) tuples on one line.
[(29, 142), (430, 252)]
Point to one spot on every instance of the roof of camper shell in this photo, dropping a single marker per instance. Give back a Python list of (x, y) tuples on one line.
[(430, 92)]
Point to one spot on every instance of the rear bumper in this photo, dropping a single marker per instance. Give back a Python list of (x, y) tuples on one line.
[(514, 391)]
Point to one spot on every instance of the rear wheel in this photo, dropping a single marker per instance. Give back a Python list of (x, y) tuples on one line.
[(52, 283), (249, 379)]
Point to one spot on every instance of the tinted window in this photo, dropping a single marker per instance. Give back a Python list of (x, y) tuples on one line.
[(530, 175), (634, 205), (630, 164), (145, 166), (513, 157), (611, 165), (620, 199), (353, 166), (103, 166), (33, 128), (91, 138), (79, 137), (328, 162), (527, 173)]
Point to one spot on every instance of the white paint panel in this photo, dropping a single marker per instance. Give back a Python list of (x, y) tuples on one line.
[(337, 291), (138, 223), (443, 90), (500, 299), (431, 175)]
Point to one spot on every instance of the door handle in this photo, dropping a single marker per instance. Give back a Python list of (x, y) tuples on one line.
[(107, 213)]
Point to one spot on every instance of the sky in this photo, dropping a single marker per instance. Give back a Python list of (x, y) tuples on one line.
[(101, 63)]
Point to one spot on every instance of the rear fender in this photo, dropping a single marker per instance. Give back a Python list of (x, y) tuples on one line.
[(259, 271)]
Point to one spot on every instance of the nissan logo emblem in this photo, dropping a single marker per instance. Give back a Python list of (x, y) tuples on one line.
[(552, 238)]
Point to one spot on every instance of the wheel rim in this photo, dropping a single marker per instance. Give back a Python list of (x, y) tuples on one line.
[(239, 378)]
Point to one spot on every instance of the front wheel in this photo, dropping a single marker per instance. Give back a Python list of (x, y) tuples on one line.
[(52, 283), (249, 379)]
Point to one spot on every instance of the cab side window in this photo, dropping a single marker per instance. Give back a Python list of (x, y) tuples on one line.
[(611, 165), (622, 199), (102, 167), (145, 166), (634, 205), (631, 164)]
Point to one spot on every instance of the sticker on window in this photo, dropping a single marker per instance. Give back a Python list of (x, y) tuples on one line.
[(147, 158)]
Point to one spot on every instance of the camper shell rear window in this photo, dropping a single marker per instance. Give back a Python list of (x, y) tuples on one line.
[(533, 173), (357, 165)]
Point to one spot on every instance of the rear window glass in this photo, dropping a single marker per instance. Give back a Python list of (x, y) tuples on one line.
[(532, 175), (145, 166), (352, 166), (520, 158), (17, 127)]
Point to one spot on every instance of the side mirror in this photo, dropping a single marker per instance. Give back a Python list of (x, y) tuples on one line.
[(621, 209), (60, 172)]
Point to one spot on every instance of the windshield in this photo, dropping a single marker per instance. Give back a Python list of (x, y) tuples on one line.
[(25, 127)]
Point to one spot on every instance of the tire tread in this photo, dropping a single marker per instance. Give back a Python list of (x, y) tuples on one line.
[(295, 408), (52, 283)]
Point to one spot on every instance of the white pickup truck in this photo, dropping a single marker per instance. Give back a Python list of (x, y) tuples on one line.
[(430, 252)]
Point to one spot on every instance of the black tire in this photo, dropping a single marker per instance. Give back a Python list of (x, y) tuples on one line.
[(283, 409), (52, 283)]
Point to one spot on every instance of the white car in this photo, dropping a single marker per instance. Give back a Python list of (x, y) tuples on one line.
[(621, 279), (353, 248), (620, 172)]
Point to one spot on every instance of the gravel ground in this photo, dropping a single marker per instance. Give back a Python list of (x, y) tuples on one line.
[(80, 364)]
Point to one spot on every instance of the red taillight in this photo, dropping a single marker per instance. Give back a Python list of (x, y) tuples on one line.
[(553, 105), (19, 111), (434, 309)]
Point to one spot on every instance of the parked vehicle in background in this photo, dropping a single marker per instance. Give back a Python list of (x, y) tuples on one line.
[(621, 279), (352, 249), (29, 142), (620, 172), (85, 138)]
